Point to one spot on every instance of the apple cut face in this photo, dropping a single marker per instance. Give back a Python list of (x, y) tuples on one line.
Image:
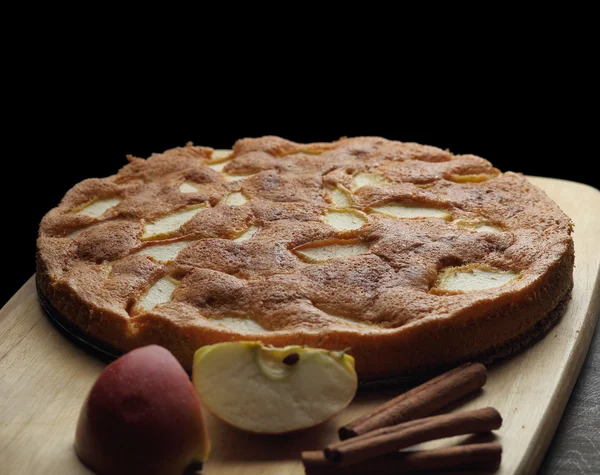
[(340, 197), (162, 227), (247, 234), (97, 208), (317, 252), (399, 210), (158, 294), (235, 199), (165, 252), (219, 160), (472, 278), (373, 179), (480, 226), (270, 390), (188, 187), (345, 219)]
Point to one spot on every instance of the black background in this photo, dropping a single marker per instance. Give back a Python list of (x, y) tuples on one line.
[(70, 117)]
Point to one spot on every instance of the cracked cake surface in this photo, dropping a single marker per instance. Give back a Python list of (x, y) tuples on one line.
[(411, 257)]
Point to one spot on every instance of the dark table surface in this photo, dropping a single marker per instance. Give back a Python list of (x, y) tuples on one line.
[(575, 448)]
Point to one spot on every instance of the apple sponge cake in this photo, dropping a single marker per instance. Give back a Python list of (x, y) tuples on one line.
[(411, 258)]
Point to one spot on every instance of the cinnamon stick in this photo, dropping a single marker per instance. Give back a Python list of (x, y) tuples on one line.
[(473, 456), (410, 433), (421, 401)]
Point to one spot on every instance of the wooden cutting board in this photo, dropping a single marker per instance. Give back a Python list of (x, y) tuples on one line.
[(44, 379)]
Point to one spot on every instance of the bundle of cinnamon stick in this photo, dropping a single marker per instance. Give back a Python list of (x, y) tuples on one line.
[(371, 444)]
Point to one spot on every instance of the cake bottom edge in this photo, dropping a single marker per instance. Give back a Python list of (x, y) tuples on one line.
[(489, 356)]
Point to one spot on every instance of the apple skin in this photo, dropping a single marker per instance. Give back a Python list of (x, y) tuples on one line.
[(142, 416)]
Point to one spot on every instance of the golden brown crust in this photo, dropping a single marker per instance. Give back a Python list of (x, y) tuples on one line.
[(378, 302)]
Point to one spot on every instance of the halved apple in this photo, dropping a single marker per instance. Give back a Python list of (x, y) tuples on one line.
[(142, 416), (270, 390)]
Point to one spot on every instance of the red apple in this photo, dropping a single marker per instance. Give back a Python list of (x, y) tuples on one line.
[(142, 416)]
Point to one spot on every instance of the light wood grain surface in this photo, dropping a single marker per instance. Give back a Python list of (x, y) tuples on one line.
[(44, 379)]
